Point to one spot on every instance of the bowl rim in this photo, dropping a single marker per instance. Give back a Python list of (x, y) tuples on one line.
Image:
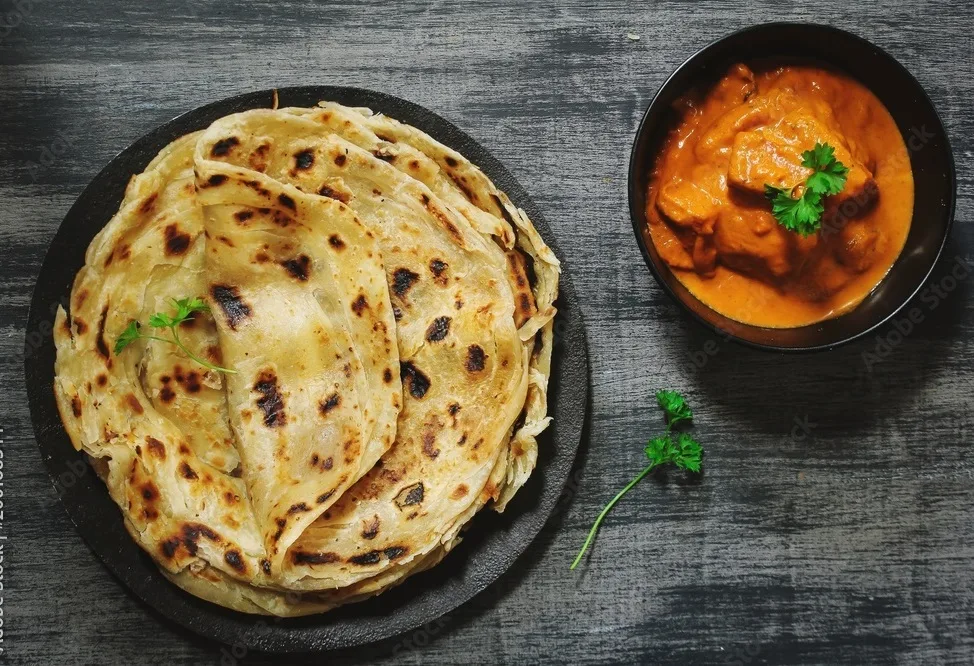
[(636, 214)]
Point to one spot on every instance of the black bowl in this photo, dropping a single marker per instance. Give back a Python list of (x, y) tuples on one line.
[(917, 119)]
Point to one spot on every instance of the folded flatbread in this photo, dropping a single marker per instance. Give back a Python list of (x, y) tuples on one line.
[(388, 314)]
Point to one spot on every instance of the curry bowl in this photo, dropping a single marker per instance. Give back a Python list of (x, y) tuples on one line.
[(926, 145)]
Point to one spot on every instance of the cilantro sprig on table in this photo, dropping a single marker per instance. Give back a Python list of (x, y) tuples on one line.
[(804, 214), (185, 308), (679, 449)]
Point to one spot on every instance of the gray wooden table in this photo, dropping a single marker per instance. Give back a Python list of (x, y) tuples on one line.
[(835, 521)]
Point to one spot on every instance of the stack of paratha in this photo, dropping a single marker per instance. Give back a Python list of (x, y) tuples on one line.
[(386, 313)]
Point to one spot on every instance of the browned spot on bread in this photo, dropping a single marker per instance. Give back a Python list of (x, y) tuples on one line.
[(216, 180), (461, 184), (438, 330), (429, 444), (329, 403), (302, 557), (231, 497), (410, 495), (234, 308), (80, 298), (336, 242), (387, 375), (156, 448), (359, 305), (402, 281), (243, 215), (149, 203), (149, 491), (76, 406), (370, 528), (79, 325), (332, 193), (476, 358), (166, 394), (323, 497), (414, 164), (191, 381), (365, 559), (340, 159), (384, 155), (170, 546), (265, 566), (304, 159), (300, 507), (261, 257), (281, 524), (462, 440), (233, 558), (226, 241), (413, 378), (192, 533), (280, 218), (100, 340), (328, 464), (101, 379), (286, 201), (133, 403), (190, 321), (270, 402), (259, 189), (223, 147), (187, 472), (460, 492), (298, 268), (451, 162), (394, 552), (438, 269)]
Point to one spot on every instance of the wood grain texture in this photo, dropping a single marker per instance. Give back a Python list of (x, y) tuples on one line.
[(835, 520)]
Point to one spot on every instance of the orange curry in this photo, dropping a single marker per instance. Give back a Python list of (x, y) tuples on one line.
[(711, 223)]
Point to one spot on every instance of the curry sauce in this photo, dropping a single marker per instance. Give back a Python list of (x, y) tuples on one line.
[(711, 223)]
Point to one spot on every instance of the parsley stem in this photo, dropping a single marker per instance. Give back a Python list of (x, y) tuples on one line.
[(605, 511), (176, 341)]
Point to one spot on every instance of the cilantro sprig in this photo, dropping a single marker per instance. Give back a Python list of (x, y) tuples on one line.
[(804, 214), (185, 308), (679, 449)]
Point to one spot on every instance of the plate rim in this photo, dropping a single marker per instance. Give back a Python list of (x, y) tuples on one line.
[(309, 634)]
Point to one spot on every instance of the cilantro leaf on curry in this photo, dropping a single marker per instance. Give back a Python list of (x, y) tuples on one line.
[(803, 215), (679, 449)]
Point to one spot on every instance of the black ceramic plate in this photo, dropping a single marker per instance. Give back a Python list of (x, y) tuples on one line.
[(493, 541)]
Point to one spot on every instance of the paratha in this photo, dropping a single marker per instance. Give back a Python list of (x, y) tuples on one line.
[(387, 316)]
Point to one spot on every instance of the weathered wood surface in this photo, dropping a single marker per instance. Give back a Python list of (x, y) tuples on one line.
[(835, 521)]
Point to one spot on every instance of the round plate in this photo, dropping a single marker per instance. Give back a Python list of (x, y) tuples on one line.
[(490, 546)]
